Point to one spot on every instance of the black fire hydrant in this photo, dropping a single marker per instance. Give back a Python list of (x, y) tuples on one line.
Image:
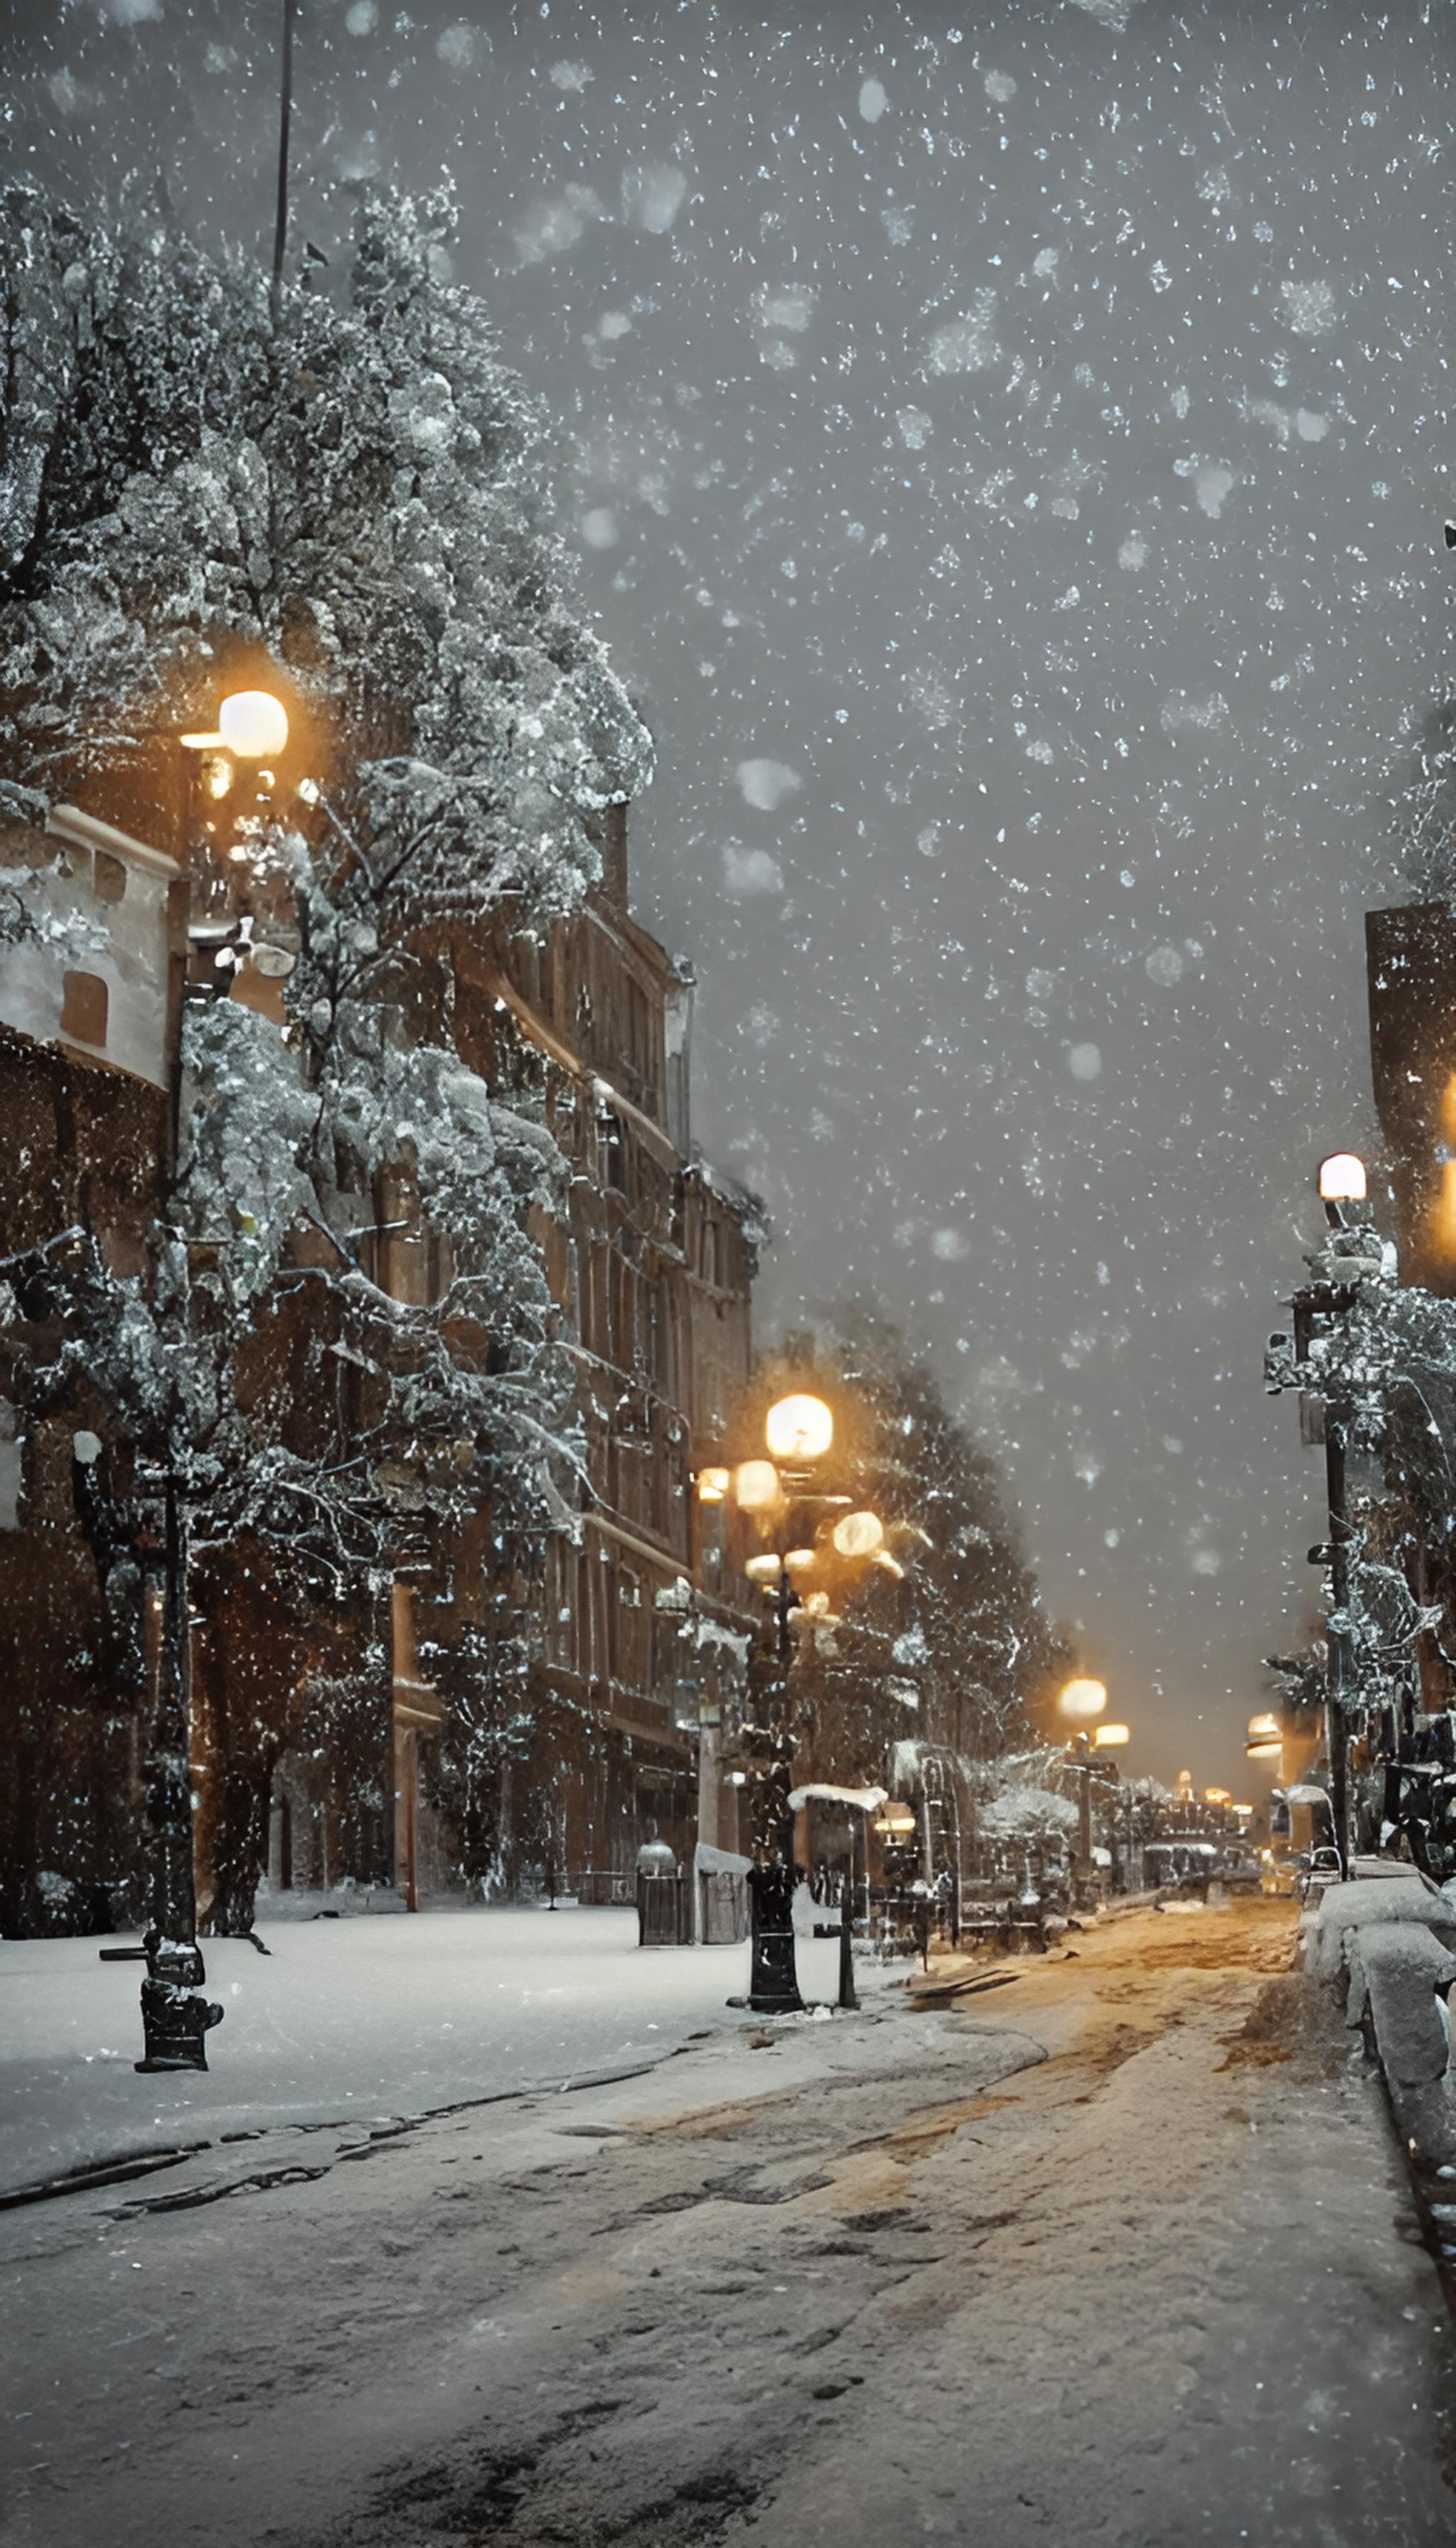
[(176, 2015)]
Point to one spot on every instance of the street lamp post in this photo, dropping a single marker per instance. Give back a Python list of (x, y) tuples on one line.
[(1082, 1701), (774, 1987), (798, 1431), (1342, 1182), (849, 1997), (176, 2015)]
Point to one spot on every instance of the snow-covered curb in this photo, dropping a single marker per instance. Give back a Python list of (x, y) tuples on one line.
[(1393, 1943)]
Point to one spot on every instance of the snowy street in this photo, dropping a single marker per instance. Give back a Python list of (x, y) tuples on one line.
[(1119, 2249)]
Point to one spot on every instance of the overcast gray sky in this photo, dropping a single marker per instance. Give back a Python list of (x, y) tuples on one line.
[(1006, 450)]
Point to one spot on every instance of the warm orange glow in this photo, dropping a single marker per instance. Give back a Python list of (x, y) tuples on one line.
[(1262, 1751), (1083, 1698), (800, 1428), (1111, 1737), (889, 1565), (756, 1486), (1443, 1212), (859, 1534), (713, 1485), (1216, 1796), (1263, 1729), (897, 1817), (763, 1569), (799, 1560)]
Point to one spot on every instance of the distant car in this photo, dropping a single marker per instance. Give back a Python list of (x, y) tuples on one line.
[(1243, 1875), (1319, 1870)]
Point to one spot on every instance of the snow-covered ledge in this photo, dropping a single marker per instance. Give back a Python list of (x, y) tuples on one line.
[(1393, 1941)]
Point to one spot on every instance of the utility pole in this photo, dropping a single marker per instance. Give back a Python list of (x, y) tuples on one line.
[(285, 119)]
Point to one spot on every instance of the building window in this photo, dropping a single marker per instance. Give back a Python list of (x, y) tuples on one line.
[(632, 1630), (709, 1251), (612, 1150), (83, 1010)]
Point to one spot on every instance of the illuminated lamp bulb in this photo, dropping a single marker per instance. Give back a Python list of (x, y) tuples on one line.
[(253, 725), (1216, 1796), (763, 1569), (816, 1604), (1263, 1729), (756, 1486), (1264, 1750), (1111, 1737), (1342, 1178), (713, 1485), (1082, 1700), (890, 1565), (798, 1428), (798, 1559), (857, 1534)]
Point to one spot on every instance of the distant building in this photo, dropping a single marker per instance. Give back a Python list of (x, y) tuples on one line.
[(1410, 972), (652, 1268)]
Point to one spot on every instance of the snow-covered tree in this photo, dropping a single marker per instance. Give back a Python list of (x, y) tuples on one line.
[(953, 1651), (1425, 811), (343, 498), (1383, 1361)]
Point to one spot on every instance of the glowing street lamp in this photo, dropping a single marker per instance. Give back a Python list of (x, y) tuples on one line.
[(1111, 1737), (756, 1487), (857, 1534), (1342, 1178), (713, 1485), (798, 1428), (1082, 1700), (253, 725)]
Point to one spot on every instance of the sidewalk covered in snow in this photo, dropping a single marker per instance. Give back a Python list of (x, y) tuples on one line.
[(346, 2019)]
